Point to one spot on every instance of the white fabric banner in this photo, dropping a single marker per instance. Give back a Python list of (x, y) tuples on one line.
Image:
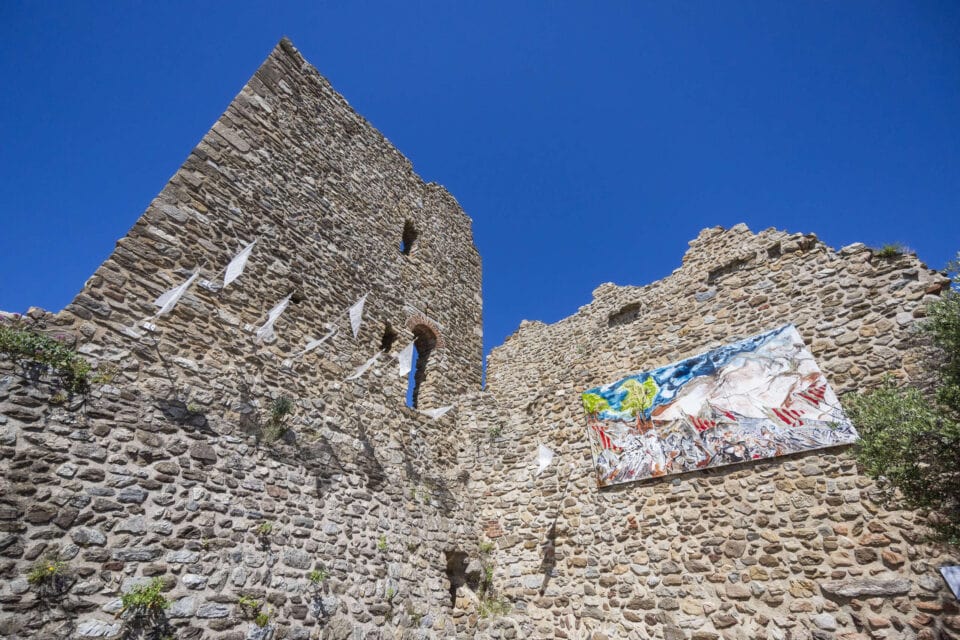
[(266, 331), (313, 344), (405, 358), (438, 412), (169, 299), (356, 314), (235, 268), (544, 457), (362, 369)]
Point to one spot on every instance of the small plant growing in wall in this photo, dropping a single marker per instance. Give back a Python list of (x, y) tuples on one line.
[(890, 251), (264, 529), (277, 424), (50, 578), (249, 607), (142, 610), (318, 576), (382, 544), (490, 604), (262, 619)]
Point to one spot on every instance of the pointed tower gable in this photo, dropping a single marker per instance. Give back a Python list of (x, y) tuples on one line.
[(328, 201)]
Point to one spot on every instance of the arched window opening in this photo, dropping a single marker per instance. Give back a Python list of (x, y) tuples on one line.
[(389, 337), (408, 238), (424, 342)]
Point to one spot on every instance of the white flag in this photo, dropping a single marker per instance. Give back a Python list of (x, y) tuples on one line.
[(544, 457), (405, 358), (266, 331), (436, 413), (313, 344), (356, 314), (169, 300), (235, 268), (363, 368)]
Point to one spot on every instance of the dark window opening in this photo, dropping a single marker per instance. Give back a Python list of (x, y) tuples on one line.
[(408, 238), (389, 337), (456, 572), (731, 267), (626, 315), (424, 342)]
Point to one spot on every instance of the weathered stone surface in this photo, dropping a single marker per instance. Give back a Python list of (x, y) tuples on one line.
[(85, 536), (890, 585), (97, 629), (177, 469)]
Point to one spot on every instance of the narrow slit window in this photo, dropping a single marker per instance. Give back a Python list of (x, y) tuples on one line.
[(408, 238), (424, 342)]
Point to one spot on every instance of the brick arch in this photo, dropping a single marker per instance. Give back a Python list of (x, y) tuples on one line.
[(420, 320)]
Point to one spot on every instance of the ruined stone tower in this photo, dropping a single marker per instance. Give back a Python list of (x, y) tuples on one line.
[(357, 516)]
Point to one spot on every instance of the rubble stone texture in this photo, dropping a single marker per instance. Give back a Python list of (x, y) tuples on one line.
[(164, 470)]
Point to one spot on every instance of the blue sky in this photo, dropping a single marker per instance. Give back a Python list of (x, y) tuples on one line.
[(588, 141)]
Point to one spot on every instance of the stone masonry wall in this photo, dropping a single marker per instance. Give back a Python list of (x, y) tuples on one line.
[(164, 470), (796, 547)]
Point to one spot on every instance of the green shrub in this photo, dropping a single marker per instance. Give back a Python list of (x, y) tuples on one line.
[(910, 438), (382, 543), (24, 346), (262, 619), (264, 529)]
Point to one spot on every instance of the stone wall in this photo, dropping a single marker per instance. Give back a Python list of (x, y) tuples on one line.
[(797, 547), (167, 468)]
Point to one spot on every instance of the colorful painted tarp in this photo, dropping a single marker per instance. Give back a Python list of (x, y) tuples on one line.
[(757, 398)]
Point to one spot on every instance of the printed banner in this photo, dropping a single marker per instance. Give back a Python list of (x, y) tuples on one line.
[(758, 398)]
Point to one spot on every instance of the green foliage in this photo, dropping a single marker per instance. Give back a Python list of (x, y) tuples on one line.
[(264, 529), (911, 442), (390, 594), (495, 432), (890, 251), (382, 543), (145, 599), (318, 575), (24, 346), (486, 547), (640, 395), (280, 410), (262, 619), (594, 404), (493, 607), (250, 608), (50, 577)]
